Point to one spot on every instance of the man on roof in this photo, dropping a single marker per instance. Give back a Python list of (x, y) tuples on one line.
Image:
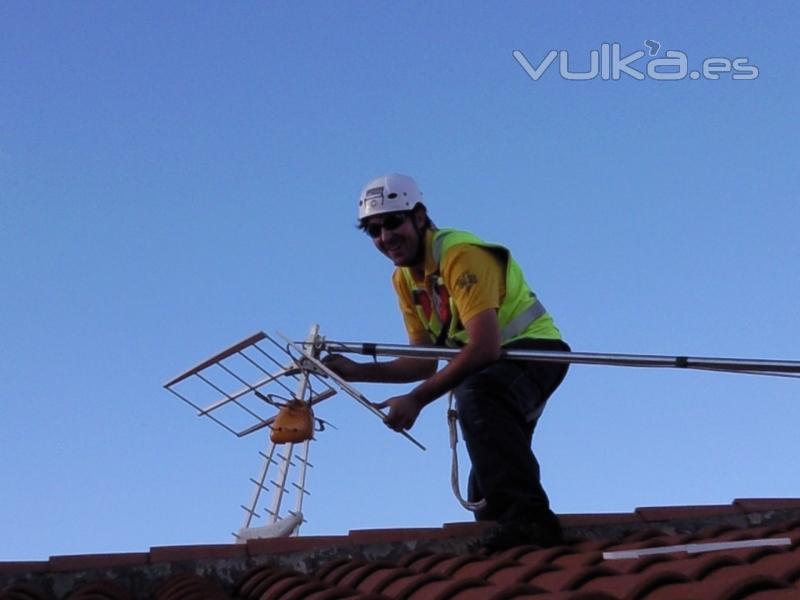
[(456, 290)]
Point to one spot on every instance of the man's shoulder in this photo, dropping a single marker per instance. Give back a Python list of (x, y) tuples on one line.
[(453, 242), (397, 276), (444, 240), (453, 233), (467, 255)]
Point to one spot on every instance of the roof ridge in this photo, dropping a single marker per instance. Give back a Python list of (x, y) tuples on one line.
[(228, 563)]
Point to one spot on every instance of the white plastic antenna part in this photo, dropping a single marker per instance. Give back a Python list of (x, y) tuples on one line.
[(283, 528)]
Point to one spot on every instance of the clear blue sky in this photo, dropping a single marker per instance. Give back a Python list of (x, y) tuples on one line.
[(175, 176)]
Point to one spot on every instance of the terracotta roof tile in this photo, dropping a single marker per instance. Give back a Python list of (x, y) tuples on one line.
[(285, 586), (183, 553), (793, 531), (696, 567), (101, 590), (91, 561), (757, 532), (578, 559), (720, 532), (250, 583), (294, 544), (638, 565), (432, 563), (441, 589), (585, 595), (531, 555), (325, 570), (258, 580), (382, 536), (483, 568), (404, 586), (636, 585), (641, 538), (353, 579), (677, 513), (473, 529), (577, 520), (789, 594), (303, 591), (784, 565), (571, 579), (11, 567), (363, 574), (521, 573), (187, 586), (518, 592), (454, 564), (356, 572), (384, 565), (737, 588), (474, 590), (591, 545), (334, 594), (23, 592), (764, 504), (749, 555), (376, 581), (415, 560)]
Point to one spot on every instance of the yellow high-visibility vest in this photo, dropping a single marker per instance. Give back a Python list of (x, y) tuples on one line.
[(520, 309)]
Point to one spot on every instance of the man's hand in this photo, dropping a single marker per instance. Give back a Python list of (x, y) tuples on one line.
[(403, 411), (344, 367)]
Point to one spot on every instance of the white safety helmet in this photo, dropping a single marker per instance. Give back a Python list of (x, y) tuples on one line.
[(390, 193)]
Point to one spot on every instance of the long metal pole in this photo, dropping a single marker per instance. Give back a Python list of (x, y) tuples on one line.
[(765, 367)]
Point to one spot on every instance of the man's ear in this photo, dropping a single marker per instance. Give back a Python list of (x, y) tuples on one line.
[(420, 216)]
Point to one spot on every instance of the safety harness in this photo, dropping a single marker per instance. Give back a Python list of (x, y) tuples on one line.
[(438, 312), (452, 417)]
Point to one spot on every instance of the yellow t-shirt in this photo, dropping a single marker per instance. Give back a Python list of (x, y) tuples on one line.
[(474, 277)]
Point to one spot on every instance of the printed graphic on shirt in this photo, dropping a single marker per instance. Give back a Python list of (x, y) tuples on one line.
[(466, 280)]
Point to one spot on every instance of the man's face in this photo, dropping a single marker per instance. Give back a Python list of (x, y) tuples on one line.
[(395, 235)]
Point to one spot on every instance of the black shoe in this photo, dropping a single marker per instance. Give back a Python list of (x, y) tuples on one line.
[(509, 534)]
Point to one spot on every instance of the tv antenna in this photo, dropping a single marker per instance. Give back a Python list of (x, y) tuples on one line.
[(260, 383)]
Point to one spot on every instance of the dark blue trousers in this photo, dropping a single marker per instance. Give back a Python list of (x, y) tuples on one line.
[(498, 409)]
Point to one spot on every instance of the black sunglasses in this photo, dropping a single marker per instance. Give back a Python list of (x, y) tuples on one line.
[(390, 223)]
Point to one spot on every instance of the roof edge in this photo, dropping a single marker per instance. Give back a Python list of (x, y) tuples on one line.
[(225, 564)]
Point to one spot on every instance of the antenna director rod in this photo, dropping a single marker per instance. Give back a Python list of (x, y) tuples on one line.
[(587, 358)]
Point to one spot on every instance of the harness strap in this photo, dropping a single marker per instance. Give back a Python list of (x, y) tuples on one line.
[(452, 417)]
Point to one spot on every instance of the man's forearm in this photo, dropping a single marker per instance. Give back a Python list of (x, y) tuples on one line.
[(472, 358), (399, 370), (482, 350)]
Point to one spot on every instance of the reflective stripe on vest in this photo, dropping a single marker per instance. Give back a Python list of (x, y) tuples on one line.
[(520, 323)]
